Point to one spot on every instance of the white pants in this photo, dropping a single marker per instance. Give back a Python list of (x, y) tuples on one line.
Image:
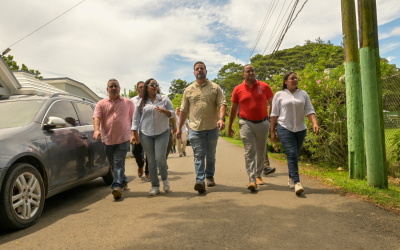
[(182, 143)]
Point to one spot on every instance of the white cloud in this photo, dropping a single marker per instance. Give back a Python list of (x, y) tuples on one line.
[(389, 58), (395, 32), (388, 47), (134, 40)]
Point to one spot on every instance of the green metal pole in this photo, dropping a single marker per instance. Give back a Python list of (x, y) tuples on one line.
[(355, 128), (372, 95)]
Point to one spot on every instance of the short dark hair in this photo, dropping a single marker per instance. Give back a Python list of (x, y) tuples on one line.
[(246, 66), (112, 80), (139, 82), (199, 62)]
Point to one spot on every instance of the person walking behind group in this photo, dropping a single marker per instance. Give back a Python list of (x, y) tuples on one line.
[(137, 149), (183, 140), (253, 97), (150, 127), (114, 114), (202, 99), (289, 107), (171, 140)]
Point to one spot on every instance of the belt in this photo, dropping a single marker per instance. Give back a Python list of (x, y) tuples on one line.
[(259, 121)]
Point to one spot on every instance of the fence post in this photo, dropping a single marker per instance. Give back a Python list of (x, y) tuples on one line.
[(372, 94), (355, 128)]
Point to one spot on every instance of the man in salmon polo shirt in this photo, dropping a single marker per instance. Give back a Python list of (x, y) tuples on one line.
[(252, 96), (114, 113)]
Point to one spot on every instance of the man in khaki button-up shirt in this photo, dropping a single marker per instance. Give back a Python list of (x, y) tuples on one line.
[(202, 100)]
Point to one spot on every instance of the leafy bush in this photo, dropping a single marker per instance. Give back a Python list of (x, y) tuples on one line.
[(327, 95)]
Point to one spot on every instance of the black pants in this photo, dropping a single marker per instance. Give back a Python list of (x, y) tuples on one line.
[(137, 153)]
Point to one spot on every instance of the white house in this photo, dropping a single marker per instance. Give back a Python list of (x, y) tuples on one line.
[(20, 82)]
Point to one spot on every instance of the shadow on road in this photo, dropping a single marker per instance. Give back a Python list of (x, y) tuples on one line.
[(226, 224), (70, 202)]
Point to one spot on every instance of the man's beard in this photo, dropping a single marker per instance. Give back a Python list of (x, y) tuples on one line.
[(200, 76)]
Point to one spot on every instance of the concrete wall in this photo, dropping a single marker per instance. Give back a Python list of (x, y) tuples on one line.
[(59, 85), (76, 91), (3, 88)]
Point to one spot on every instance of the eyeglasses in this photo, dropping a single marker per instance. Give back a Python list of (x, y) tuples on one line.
[(153, 85)]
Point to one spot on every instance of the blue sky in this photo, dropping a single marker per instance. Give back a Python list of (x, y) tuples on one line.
[(161, 39)]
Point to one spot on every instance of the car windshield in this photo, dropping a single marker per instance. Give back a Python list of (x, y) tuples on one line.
[(18, 113)]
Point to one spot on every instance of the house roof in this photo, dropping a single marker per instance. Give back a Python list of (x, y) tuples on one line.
[(8, 77), (75, 83)]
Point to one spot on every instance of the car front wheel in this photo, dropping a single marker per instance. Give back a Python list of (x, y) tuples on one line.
[(22, 197)]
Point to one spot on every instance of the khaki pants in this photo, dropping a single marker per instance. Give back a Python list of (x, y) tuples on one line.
[(182, 143), (254, 137)]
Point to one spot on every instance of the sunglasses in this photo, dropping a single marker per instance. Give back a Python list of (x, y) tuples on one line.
[(153, 85)]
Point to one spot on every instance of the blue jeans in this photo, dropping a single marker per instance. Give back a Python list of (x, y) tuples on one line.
[(204, 145), (292, 142), (116, 155), (156, 150)]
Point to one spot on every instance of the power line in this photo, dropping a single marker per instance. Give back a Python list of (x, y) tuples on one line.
[(264, 24), (276, 27), (286, 27), (45, 24)]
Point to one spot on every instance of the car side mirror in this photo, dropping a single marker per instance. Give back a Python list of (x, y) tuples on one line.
[(54, 122)]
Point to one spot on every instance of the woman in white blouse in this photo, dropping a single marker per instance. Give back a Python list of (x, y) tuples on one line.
[(151, 119), (289, 108)]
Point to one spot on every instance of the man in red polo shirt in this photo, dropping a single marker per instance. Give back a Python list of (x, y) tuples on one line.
[(252, 97)]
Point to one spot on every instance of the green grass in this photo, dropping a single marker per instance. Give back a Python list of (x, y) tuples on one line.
[(237, 142), (387, 198)]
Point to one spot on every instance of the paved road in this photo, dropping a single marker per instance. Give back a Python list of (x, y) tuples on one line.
[(228, 216)]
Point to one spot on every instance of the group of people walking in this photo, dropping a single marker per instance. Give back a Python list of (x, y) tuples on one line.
[(149, 122)]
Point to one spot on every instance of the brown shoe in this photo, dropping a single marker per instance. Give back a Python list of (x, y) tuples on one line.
[(125, 185), (259, 181), (252, 186), (200, 187), (117, 192), (140, 172), (210, 181), (147, 177)]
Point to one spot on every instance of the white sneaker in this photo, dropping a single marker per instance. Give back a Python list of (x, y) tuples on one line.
[(166, 185), (298, 189), (290, 183), (154, 191)]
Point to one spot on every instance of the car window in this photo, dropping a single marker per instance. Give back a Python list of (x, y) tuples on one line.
[(64, 110), (86, 112), (18, 113)]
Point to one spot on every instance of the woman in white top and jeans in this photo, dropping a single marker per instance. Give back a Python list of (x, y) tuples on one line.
[(151, 119), (289, 107)]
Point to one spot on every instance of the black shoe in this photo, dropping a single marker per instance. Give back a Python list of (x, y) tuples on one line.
[(200, 187), (269, 170), (184, 153), (210, 181)]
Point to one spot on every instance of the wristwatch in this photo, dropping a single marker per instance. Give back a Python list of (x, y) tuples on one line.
[(223, 119)]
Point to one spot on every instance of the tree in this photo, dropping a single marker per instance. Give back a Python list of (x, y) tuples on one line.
[(14, 66), (177, 101), (229, 77), (296, 58), (178, 86)]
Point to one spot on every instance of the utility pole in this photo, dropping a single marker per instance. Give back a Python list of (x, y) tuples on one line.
[(355, 128), (372, 94)]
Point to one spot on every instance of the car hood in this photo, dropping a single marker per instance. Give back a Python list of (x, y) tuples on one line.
[(6, 133)]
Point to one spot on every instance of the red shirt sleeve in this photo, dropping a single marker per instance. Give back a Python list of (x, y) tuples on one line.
[(269, 92), (235, 97)]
